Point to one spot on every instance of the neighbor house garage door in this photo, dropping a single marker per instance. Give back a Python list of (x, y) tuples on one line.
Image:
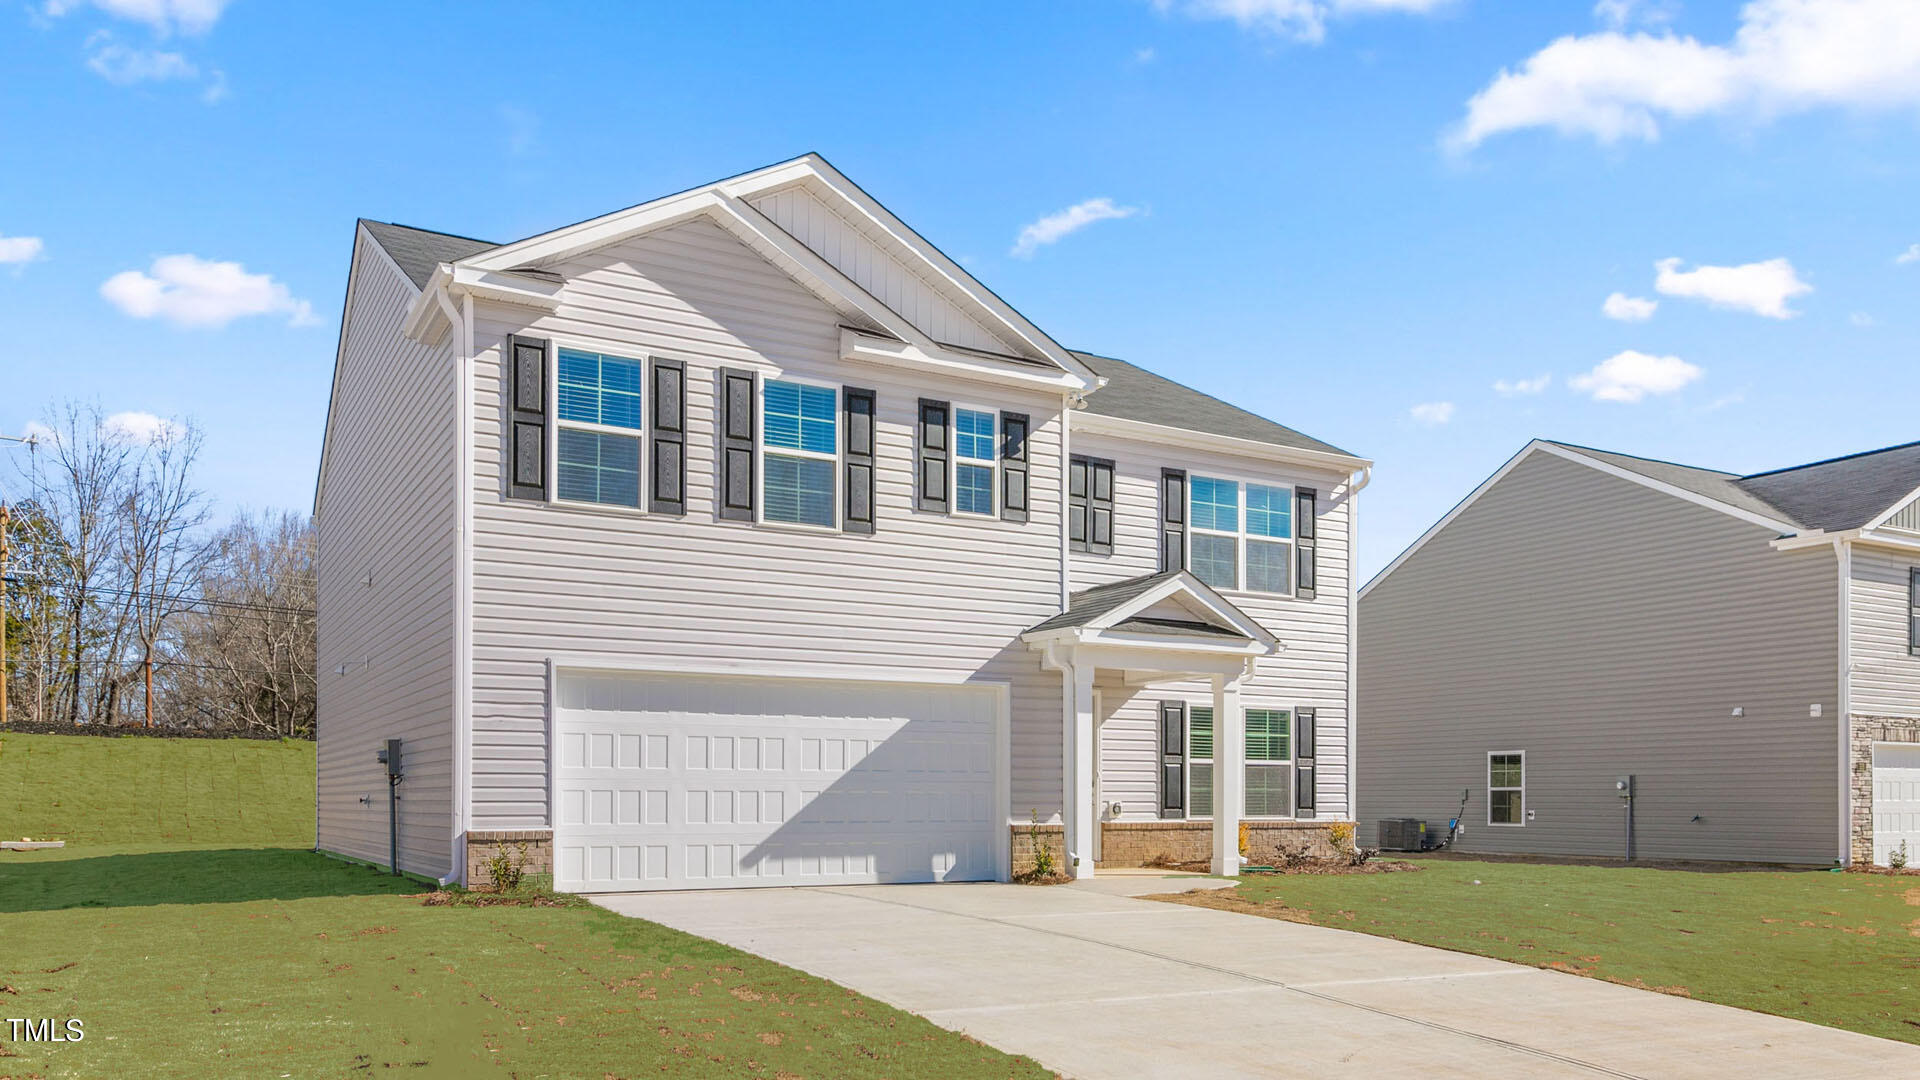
[(1896, 801), (701, 782)]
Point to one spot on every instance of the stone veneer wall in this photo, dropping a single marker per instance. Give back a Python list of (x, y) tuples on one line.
[(1139, 843), (1865, 731), (483, 844)]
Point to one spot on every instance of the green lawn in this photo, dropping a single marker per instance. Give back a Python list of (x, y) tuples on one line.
[(1835, 949), (212, 957)]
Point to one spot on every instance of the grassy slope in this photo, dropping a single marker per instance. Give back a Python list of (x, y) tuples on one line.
[(1835, 949), (214, 954), (177, 792)]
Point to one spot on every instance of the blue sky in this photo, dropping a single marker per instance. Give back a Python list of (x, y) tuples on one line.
[(1335, 212)]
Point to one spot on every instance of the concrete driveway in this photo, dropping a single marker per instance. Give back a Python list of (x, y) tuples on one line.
[(1095, 983)]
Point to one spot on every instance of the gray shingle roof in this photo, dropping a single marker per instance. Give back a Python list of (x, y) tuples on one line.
[(1089, 604), (1134, 393), (1835, 495), (418, 251)]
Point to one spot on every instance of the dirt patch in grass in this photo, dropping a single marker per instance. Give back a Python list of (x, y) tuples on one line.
[(450, 898), (1229, 900), (1312, 867)]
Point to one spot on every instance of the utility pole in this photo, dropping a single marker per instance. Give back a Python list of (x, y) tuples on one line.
[(4, 522)]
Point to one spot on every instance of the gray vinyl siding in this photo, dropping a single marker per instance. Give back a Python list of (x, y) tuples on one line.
[(387, 512), (1311, 669), (1605, 628), (933, 596), (1886, 677)]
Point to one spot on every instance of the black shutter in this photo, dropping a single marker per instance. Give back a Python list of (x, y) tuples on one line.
[(1303, 762), (1173, 759), (1099, 506), (1014, 430), (1913, 611), (527, 418), (1173, 519), (858, 409), (1077, 486), (1305, 502), (930, 448), (667, 438), (739, 424)]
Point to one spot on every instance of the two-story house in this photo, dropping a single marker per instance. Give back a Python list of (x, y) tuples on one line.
[(1595, 653), (743, 538)]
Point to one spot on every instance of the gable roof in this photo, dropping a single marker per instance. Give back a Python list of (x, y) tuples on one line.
[(1710, 483), (1134, 393), (1124, 605), (1842, 493), (417, 252)]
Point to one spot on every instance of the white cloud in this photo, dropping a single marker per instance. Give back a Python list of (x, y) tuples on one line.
[(39, 432), (1145, 56), (1911, 255), (1861, 319), (1787, 56), (1619, 14), (1760, 287), (1300, 20), (522, 128), (1432, 413), (140, 427), (1056, 226), (1628, 308), (15, 250), (164, 16), (1630, 376), (124, 66), (1522, 387), (189, 291)]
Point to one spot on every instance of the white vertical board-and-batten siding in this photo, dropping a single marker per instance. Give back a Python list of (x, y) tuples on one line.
[(387, 515), (1886, 676), (1606, 629), (930, 596), (1312, 668)]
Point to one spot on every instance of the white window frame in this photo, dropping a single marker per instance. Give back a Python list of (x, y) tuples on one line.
[(1194, 813), (1240, 536), (638, 434), (991, 464), (1522, 789), (762, 451)]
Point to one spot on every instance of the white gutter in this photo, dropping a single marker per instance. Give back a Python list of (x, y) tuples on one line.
[(1354, 487), (1843, 556), (462, 323)]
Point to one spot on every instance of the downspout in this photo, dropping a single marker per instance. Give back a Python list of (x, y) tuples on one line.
[(1354, 487), (460, 325), (1843, 556)]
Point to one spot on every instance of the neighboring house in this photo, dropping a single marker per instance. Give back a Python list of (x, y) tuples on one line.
[(1745, 648), (743, 538)]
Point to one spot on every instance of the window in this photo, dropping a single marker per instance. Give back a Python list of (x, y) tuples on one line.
[(1507, 788), (1224, 540), (1269, 773), (800, 437), (1913, 611), (975, 450), (599, 429), (1268, 763)]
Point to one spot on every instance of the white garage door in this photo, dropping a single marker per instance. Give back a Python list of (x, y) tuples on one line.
[(701, 782), (1896, 801)]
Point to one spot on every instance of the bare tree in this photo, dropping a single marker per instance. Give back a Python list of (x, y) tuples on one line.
[(160, 543), (246, 652), (81, 495)]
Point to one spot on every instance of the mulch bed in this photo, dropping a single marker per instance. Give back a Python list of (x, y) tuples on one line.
[(445, 898), (1031, 878), (1315, 867)]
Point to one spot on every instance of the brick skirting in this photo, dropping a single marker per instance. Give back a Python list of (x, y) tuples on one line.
[(1865, 731), (483, 844), (1139, 843)]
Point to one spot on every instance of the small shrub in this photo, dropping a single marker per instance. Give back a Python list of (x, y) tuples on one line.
[(508, 868), (1245, 833), (1360, 856), (1898, 858), (1295, 858), (1044, 865), (1340, 835)]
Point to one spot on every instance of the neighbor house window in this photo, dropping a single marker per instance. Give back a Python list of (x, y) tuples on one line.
[(974, 453), (1269, 772), (1269, 768), (800, 440), (599, 429), (1507, 789), (1250, 551)]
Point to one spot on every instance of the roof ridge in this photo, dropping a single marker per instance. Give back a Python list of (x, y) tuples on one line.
[(1832, 460), (1643, 457), (431, 232)]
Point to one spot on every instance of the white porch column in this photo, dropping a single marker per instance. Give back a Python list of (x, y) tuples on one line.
[(1076, 772), (1229, 775)]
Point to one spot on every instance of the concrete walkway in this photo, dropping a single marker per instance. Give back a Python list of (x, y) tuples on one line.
[(1094, 983)]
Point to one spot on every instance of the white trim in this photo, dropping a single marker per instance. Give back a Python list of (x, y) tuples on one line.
[(1241, 536), (639, 434), (1352, 501), (865, 346), (1487, 777), (1183, 583), (1001, 690), (1542, 446), (1161, 435), (1898, 505), (761, 450), (1843, 558), (463, 601), (991, 463)]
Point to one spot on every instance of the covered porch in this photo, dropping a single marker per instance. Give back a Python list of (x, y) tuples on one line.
[(1159, 628)]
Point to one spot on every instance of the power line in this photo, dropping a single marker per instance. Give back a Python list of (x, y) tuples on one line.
[(137, 664), (183, 599)]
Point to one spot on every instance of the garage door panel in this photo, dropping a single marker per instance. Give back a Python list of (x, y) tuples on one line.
[(780, 782)]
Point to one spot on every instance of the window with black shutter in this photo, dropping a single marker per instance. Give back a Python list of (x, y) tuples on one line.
[(931, 450), (1173, 759), (667, 438), (1173, 519), (1303, 737), (738, 453), (1090, 505), (858, 407), (1014, 461), (526, 374), (1913, 611), (1305, 527)]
